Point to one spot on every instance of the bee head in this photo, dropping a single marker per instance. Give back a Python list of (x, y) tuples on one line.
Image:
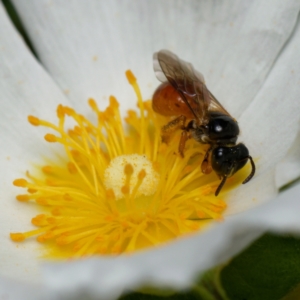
[(227, 160)]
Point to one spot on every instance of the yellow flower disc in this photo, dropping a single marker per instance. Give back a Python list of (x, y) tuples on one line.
[(118, 188)]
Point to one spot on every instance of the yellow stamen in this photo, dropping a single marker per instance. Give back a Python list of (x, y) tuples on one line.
[(51, 138), (23, 198), (20, 182), (117, 188), (17, 237), (33, 120)]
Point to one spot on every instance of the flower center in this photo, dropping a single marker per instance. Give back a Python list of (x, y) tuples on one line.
[(117, 189), (131, 174)]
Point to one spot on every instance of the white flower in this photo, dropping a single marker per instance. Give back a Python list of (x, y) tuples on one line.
[(248, 52)]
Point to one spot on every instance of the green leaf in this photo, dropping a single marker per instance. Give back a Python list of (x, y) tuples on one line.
[(268, 269), (178, 296)]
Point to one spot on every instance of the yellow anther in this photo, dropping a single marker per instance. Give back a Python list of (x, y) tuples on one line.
[(62, 240), (51, 220), (68, 111), (125, 189), (130, 77), (116, 249), (72, 168), (194, 227), (102, 250), (23, 198), (39, 220), (67, 197), (20, 182), (109, 218), (88, 129), (60, 111), (41, 201), (156, 166), (100, 238), (110, 194), (102, 116), (47, 169), (51, 138), (128, 169), (113, 102), (148, 105), (34, 121), (183, 215), (201, 214), (75, 153), (142, 174), (163, 148), (132, 114), (56, 211), (41, 238), (17, 237), (109, 112), (93, 104), (187, 169), (48, 235), (31, 191), (77, 130), (51, 182), (76, 247)]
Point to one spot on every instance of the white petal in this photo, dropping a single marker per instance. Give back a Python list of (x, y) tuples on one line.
[(179, 263), (289, 168), (121, 39), (269, 127), (14, 290), (259, 190), (86, 48), (270, 123), (25, 88)]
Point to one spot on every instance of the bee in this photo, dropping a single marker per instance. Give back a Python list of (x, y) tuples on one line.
[(199, 115)]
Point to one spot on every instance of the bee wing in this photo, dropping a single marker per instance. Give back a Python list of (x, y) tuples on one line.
[(216, 106), (171, 58), (188, 82)]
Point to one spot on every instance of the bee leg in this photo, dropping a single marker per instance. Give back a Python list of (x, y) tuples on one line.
[(252, 170), (168, 129), (221, 185), (184, 137), (206, 166)]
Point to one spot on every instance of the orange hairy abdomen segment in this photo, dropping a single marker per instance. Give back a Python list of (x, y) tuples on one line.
[(167, 101)]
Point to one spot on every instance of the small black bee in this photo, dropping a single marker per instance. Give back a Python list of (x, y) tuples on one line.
[(184, 94)]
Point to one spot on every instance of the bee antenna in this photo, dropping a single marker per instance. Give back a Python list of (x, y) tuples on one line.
[(252, 171), (220, 186)]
